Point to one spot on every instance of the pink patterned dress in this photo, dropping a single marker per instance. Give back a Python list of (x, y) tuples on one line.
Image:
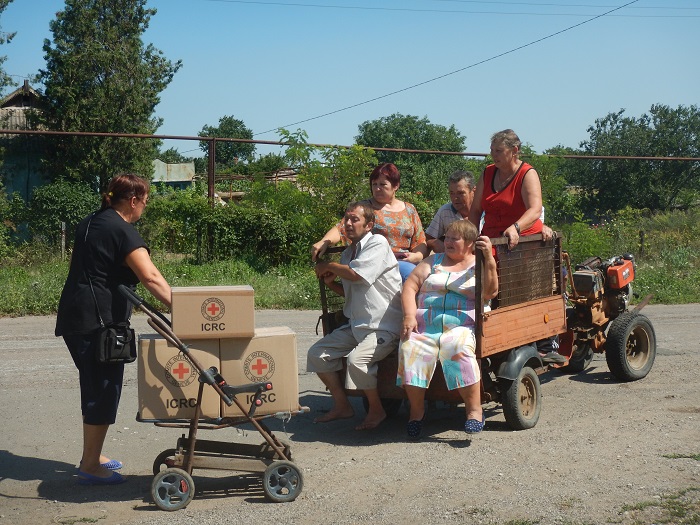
[(445, 319)]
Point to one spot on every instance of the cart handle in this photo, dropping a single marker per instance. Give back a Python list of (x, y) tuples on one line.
[(140, 303)]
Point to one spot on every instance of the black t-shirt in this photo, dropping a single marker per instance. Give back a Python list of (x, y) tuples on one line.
[(100, 255)]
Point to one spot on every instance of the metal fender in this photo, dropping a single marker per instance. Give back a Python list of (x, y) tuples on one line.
[(517, 359)]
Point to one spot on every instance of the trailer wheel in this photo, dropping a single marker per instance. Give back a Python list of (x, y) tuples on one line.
[(522, 400), (630, 348), (579, 360), (391, 406), (282, 481), (162, 460), (172, 489)]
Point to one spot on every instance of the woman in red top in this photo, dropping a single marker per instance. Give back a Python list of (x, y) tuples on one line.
[(509, 193)]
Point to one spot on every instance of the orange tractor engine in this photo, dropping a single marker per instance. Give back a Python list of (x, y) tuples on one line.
[(600, 291)]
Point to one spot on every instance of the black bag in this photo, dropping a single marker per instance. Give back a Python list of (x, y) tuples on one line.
[(116, 344)]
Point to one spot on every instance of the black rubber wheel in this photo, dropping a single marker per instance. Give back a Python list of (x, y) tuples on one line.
[(160, 460), (580, 359), (630, 348), (391, 406), (282, 481), (522, 400), (172, 489)]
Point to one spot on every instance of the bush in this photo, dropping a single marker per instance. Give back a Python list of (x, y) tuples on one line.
[(58, 202)]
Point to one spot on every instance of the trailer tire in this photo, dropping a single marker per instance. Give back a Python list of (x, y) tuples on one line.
[(282, 481), (172, 489), (522, 399), (630, 348)]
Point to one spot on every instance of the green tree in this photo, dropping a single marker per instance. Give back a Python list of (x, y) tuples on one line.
[(229, 153), (611, 185), (101, 77), (5, 38), (172, 156), (425, 173)]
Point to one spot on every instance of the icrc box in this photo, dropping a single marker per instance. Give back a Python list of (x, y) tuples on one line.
[(213, 312), (168, 384), (269, 356)]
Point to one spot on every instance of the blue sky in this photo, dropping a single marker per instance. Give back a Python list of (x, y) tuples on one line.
[(275, 63)]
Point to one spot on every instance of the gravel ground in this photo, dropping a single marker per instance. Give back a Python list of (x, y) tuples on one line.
[(600, 448)]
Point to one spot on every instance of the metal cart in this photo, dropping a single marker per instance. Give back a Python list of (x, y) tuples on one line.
[(173, 487)]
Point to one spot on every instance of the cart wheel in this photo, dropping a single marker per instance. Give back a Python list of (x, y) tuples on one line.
[(391, 406), (161, 460), (580, 359), (522, 400), (282, 481), (172, 489), (630, 348)]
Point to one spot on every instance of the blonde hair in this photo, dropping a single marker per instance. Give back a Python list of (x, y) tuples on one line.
[(465, 229)]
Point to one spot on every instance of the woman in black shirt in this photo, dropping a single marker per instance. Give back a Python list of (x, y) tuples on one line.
[(108, 251)]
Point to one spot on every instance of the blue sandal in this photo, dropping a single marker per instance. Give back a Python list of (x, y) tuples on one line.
[(88, 479), (414, 429), (474, 426)]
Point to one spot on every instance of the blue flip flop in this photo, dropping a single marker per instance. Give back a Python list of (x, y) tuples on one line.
[(474, 426), (112, 464), (88, 479)]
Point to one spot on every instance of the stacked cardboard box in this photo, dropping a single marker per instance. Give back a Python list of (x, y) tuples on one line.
[(218, 326)]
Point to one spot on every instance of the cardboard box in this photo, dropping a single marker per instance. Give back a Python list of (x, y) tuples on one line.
[(168, 384), (213, 312), (269, 356)]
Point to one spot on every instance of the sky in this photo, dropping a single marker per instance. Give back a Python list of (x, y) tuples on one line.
[(547, 69)]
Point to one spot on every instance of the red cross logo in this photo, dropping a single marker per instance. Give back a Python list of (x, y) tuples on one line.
[(259, 367), (213, 309), (181, 370)]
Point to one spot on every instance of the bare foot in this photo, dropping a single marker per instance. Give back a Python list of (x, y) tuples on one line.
[(335, 413), (371, 421)]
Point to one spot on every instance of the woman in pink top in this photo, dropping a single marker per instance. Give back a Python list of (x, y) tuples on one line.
[(395, 219), (509, 193)]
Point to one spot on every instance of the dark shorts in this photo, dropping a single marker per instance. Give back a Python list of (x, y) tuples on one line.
[(100, 384)]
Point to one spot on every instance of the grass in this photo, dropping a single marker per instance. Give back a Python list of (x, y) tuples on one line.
[(33, 286), (679, 508), (668, 267)]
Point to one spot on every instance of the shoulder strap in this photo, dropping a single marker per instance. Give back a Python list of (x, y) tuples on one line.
[(97, 308)]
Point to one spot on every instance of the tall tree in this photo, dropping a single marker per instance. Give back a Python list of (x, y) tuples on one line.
[(426, 173), (229, 153), (610, 185), (101, 77), (5, 38)]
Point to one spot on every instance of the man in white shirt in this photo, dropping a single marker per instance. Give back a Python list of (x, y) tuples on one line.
[(371, 284)]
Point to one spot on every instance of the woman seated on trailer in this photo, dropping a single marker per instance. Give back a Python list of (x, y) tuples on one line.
[(395, 219), (438, 300)]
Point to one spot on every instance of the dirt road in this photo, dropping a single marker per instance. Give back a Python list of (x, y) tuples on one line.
[(600, 445)]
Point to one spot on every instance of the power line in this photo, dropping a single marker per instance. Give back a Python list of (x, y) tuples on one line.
[(450, 73)]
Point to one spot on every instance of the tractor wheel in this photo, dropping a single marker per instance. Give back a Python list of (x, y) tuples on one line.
[(630, 348), (522, 400), (580, 359)]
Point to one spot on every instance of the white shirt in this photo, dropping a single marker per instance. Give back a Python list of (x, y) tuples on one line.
[(374, 301)]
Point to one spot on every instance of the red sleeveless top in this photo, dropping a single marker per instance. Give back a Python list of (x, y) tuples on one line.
[(503, 208)]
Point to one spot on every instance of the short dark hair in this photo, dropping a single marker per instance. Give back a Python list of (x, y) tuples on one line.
[(367, 211), (389, 170), (462, 175)]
